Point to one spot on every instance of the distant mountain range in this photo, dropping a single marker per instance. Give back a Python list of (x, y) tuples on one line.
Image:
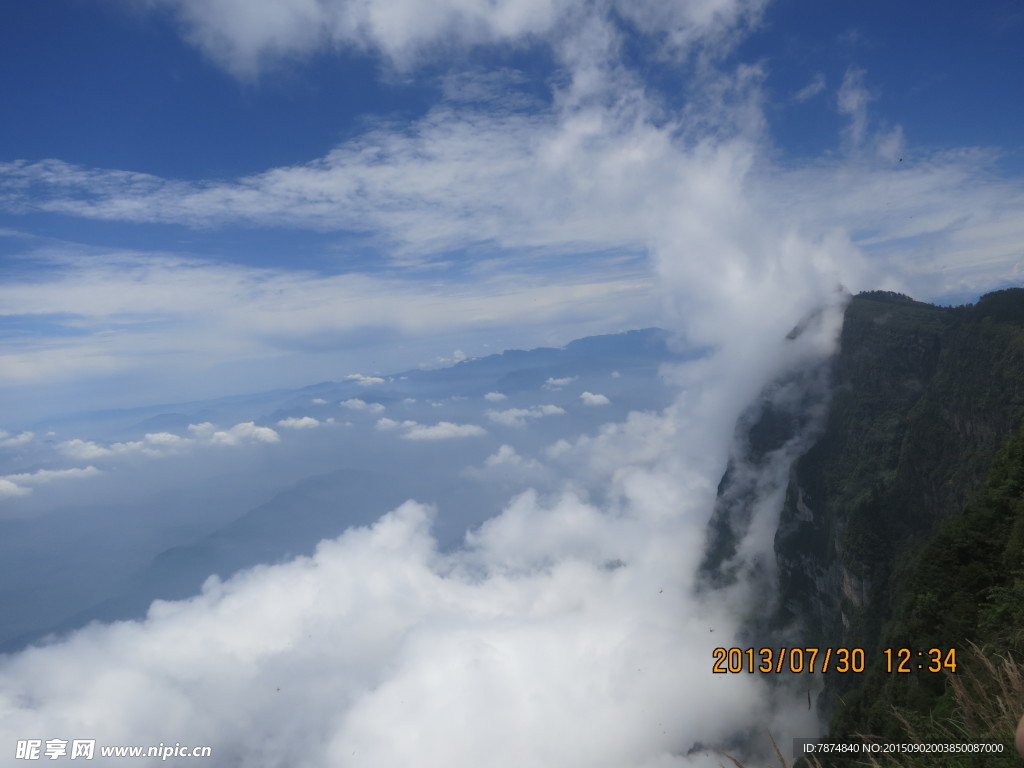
[(639, 351), (362, 484)]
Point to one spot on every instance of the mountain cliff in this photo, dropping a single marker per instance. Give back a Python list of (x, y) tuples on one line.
[(902, 522)]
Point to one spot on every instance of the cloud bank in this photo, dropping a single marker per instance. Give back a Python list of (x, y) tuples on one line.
[(561, 634)]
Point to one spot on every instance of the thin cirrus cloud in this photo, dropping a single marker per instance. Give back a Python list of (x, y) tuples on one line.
[(431, 217), (406, 31), (125, 311), (590, 172), (812, 89)]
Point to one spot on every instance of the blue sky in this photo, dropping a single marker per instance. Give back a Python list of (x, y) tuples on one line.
[(197, 198), (101, 84)]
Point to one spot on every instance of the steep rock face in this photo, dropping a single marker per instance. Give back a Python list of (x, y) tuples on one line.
[(922, 398), (831, 551)]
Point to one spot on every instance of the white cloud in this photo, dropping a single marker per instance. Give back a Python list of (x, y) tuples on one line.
[(566, 178), (158, 444), (852, 100), (166, 440), (616, 374), (511, 472), (88, 449), (441, 431), (130, 309), (20, 484), (11, 490), (506, 454), (205, 429), (293, 422), (246, 432), (517, 417), (365, 381), (556, 384), (386, 423), (319, 401), (398, 30), (10, 441), (968, 221), (589, 398), (495, 397), (643, 439), (560, 636), (49, 475), (812, 89), (404, 31), (559, 448), (355, 404), (456, 357)]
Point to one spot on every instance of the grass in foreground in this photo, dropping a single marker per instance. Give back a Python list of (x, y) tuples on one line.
[(988, 701)]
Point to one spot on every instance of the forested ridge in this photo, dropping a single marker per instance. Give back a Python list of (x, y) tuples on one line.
[(903, 525)]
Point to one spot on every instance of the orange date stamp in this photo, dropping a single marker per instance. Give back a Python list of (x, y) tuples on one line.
[(779, 660)]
